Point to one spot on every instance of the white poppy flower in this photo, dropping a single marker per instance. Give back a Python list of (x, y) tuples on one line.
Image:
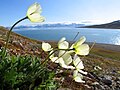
[(62, 44), (46, 46), (80, 48), (34, 12)]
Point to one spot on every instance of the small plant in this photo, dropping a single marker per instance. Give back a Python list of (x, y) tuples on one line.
[(24, 73)]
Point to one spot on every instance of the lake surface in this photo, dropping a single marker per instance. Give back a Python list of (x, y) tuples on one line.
[(106, 36)]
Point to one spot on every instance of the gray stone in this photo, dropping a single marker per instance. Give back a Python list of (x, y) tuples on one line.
[(107, 81)]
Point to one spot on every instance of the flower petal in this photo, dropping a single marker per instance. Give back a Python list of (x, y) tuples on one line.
[(36, 18), (33, 13), (82, 49), (78, 77), (46, 46), (66, 57), (34, 8), (79, 42), (62, 64), (83, 72), (62, 44), (61, 53), (77, 62), (61, 40), (54, 59)]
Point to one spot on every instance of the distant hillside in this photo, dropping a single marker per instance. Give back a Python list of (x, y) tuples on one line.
[(50, 25), (112, 25)]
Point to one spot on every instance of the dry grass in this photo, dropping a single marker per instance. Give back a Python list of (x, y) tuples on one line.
[(106, 53)]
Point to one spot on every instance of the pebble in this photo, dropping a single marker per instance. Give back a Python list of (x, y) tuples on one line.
[(107, 81)]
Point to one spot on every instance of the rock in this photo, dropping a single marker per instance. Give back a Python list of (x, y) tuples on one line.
[(18, 44), (107, 87), (92, 75), (117, 88), (97, 86), (95, 83), (118, 78), (108, 77), (87, 86), (107, 82), (118, 82)]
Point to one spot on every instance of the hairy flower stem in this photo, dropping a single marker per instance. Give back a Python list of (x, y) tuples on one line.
[(47, 58), (9, 32)]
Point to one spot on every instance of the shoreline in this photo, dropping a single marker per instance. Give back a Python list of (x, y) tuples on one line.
[(110, 47), (98, 28)]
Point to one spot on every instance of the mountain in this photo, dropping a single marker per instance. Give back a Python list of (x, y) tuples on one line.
[(112, 25), (50, 25)]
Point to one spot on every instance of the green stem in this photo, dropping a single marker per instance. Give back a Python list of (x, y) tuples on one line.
[(9, 32), (47, 58), (67, 49)]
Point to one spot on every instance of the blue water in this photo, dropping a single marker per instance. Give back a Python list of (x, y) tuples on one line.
[(106, 36)]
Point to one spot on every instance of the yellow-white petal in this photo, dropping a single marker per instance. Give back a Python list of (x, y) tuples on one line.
[(36, 18), (46, 46), (51, 54), (34, 8), (62, 64), (62, 44), (33, 13), (79, 42), (82, 49), (81, 71), (78, 77), (61, 40), (66, 57), (61, 53), (77, 62), (54, 59)]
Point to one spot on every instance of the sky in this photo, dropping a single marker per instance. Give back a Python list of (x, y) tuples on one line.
[(64, 11)]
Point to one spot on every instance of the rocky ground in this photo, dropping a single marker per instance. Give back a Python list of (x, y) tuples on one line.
[(102, 64)]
